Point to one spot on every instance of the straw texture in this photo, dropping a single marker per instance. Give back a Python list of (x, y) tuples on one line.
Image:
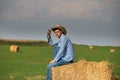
[(83, 70)]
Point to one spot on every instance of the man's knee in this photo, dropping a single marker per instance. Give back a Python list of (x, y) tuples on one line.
[(52, 65), (49, 66)]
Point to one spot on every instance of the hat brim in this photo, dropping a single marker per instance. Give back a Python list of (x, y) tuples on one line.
[(60, 28), (55, 28)]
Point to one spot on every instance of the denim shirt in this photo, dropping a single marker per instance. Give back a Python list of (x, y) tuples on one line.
[(65, 51)]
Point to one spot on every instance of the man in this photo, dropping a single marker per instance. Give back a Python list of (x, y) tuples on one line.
[(63, 49)]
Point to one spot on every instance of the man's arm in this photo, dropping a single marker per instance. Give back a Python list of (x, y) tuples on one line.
[(50, 41), (48, 35)]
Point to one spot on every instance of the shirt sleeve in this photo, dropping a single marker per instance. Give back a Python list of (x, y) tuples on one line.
[(50, 41), (63, 44)]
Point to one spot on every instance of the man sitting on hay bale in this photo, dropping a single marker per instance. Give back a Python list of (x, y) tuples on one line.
[(63, 49)]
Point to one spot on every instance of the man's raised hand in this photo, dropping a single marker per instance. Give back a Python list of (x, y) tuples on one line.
[(48, 32)]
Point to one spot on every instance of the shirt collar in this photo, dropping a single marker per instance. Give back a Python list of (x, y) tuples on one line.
[(61, 37)]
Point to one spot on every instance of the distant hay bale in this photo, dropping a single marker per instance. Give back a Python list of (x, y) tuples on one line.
[(14, 48), (83, 70), (91, 47), (112, 50)]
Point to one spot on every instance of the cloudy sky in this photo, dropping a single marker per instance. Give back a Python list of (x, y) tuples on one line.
[(92, 22)]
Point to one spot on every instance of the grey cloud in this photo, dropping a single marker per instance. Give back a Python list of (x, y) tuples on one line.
[(29, 9), (87, 21)]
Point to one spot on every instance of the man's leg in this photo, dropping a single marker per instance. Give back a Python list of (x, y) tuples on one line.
[(56, 49), (49, 75), (59, 63)]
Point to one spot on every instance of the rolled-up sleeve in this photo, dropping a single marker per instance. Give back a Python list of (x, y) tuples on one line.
[(50, 41), (62, 45)]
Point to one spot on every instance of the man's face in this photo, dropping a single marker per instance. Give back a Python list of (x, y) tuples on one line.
[(58, 33)]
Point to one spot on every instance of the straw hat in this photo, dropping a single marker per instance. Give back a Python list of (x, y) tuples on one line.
[(58, 26)]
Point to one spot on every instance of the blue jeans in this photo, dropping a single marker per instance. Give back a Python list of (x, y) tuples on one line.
[(58, 63), (56, 49)]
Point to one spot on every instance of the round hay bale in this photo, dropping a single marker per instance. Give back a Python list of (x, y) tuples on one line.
[(83, 70), (112, 50), (14, 48), (91, 47)]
